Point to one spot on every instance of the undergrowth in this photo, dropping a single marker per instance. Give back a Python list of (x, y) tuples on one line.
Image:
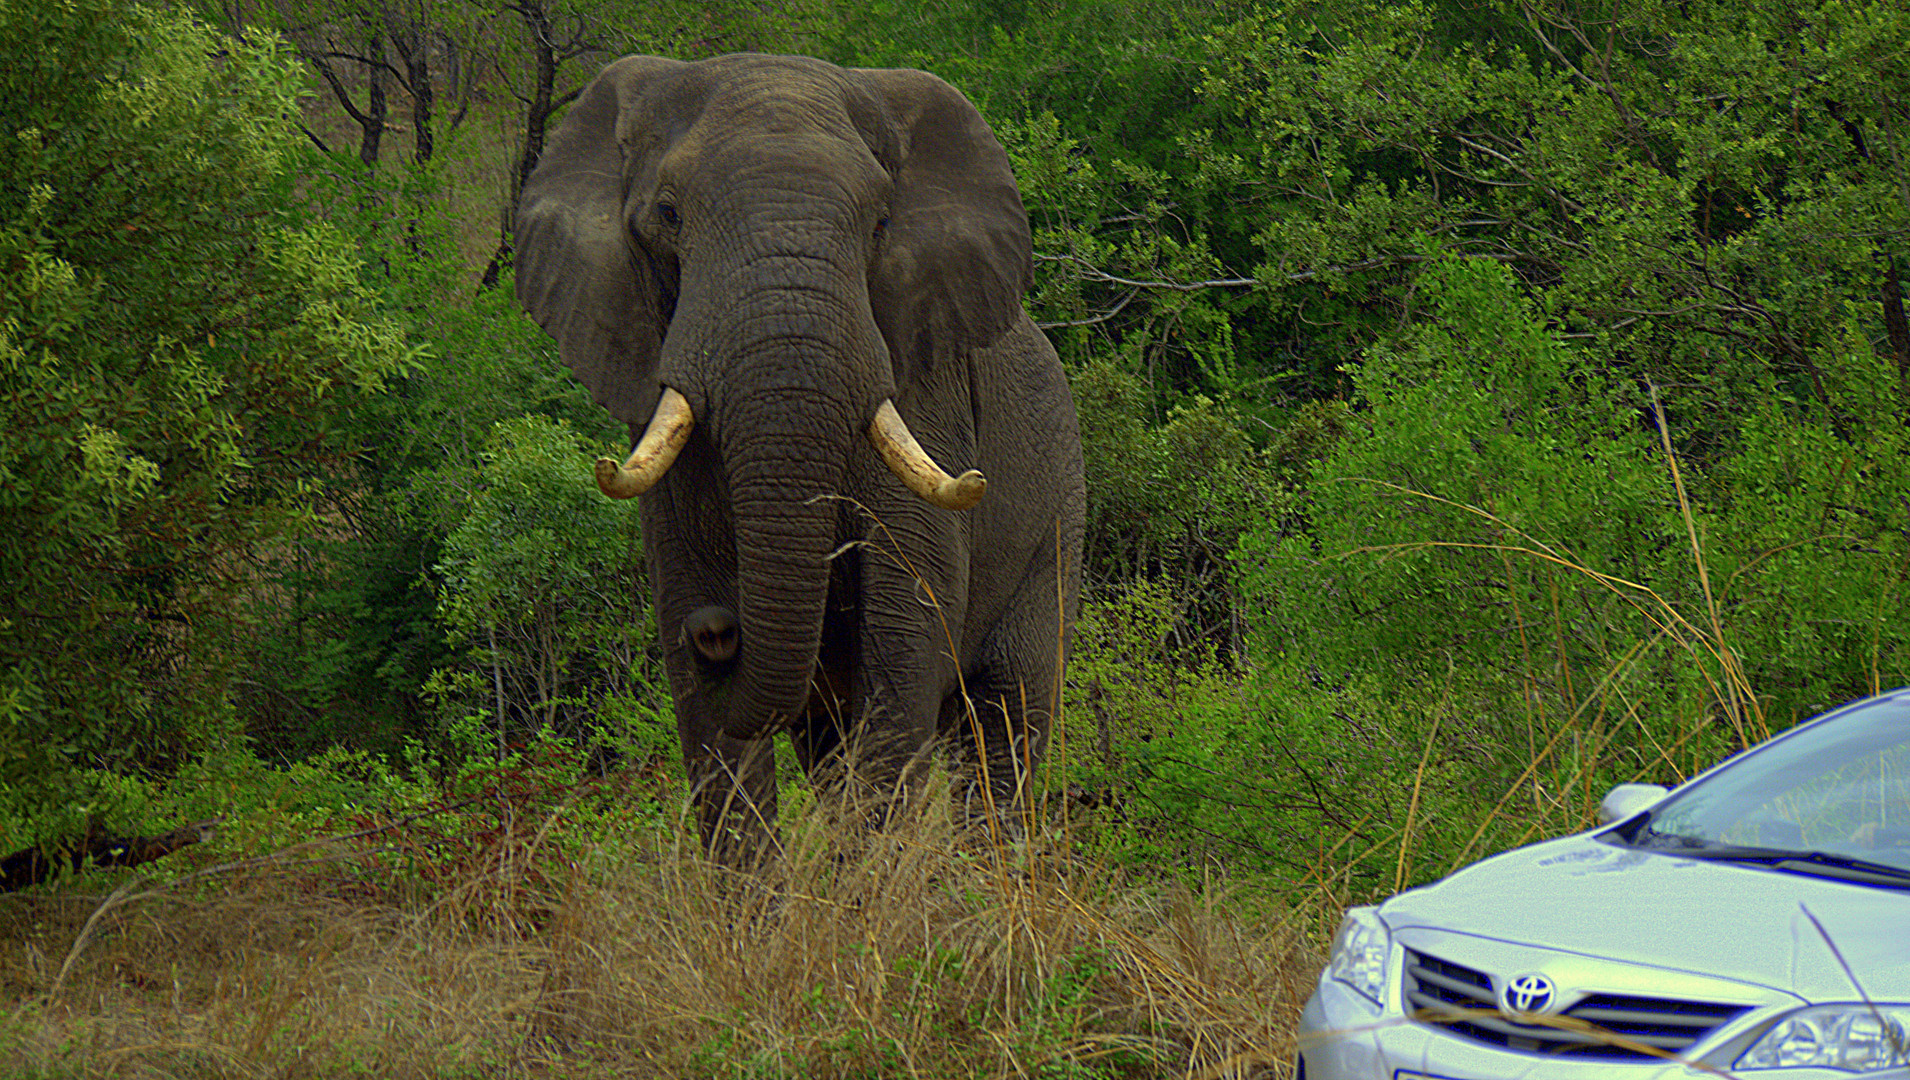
[(525, 926)]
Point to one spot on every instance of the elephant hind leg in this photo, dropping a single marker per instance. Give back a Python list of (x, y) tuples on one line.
[(1012, 691)]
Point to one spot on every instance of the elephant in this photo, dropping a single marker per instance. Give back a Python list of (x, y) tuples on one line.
[(800, 285)]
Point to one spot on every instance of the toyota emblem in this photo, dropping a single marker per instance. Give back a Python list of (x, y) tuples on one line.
[(1527, 995)]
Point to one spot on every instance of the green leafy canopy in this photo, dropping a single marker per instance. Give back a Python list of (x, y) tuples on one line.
[(175, 349)]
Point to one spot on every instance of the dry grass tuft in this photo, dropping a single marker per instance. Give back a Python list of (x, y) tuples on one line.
[(260, 979), (920, 950), (914, 951)]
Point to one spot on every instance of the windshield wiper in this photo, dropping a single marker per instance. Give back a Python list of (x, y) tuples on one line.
[(1844, 868), (1815, 863)]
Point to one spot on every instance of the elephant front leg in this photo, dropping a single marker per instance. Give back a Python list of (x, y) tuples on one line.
[(733, 790), (914, 607)]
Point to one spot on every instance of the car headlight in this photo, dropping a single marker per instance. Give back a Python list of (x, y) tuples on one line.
[(1361, 950), (1852, 1036)]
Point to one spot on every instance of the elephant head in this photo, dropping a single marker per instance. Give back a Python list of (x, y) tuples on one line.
[(756, 252)]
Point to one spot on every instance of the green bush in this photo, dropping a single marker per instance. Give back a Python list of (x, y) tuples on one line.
[(1507, 595), (176, 354), (543, 594), (1153, 734), (343, 647)]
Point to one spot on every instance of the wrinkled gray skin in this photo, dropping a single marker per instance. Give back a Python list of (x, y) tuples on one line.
[(788, 243)]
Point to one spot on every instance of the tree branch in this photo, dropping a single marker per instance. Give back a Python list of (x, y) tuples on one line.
[(1095, 273)]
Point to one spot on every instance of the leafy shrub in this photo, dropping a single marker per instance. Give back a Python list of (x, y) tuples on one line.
[(346, 639), (544, 594), (1153, 734), (176, 353), (1507, 596)]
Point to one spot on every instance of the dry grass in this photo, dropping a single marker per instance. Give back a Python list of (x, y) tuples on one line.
[(261, 979), (915, 951)]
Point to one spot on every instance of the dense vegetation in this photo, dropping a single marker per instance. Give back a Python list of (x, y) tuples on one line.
[(1485, 402)]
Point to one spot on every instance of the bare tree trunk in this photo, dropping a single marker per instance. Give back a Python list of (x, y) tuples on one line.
[(372, 121), (414, 49), (547, 56), (459, 74)]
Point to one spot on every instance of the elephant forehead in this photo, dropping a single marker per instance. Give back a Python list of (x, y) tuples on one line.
[(751, 165), (776, 93), (775, 107), (703, 101)]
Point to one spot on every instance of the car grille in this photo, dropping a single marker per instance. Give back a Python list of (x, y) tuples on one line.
[(1434, 986)]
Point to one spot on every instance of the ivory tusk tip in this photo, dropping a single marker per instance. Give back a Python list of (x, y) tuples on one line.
[(615, 481), (965, 491), (915, 468), (668, 430)]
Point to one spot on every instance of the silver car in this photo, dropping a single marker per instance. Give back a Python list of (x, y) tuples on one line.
[(1754, 922)]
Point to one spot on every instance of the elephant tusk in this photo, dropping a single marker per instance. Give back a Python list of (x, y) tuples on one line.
[(669, 429), (907, 459)]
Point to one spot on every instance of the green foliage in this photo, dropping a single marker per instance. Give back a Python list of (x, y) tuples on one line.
[(1171, 497), (1493, 553), (1154, 736), (1498, 554), (1491, 461), (544, 593), (1694, 187), (348, 650), (1809, 539), (1497, 526), (175, 355)]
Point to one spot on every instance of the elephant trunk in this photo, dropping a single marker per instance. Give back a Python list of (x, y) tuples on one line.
[(786, 457), (782, 353)]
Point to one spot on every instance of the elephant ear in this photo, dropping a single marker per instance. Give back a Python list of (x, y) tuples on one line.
[(578, 272), (957, 256)]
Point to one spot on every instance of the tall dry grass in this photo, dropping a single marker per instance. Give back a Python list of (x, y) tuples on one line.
[(920, 950)]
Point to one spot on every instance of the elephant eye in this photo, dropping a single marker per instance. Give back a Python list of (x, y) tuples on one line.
[(666, 212), (881, 228)]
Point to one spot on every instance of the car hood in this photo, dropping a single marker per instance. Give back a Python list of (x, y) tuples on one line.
[(1586, 896)]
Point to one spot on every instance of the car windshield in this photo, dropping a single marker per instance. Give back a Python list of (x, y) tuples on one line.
[(1836, 791)]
